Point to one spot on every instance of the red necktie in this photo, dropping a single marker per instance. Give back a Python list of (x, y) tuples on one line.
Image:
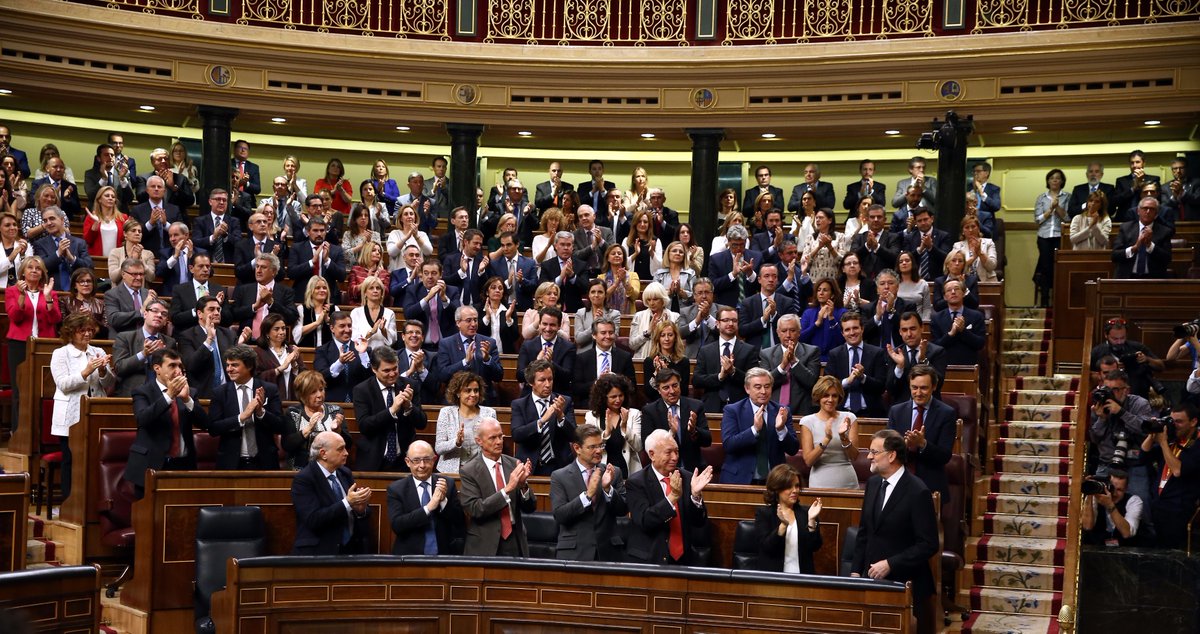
[(505, 520), (676, 540), (919, 424), (173, 452)]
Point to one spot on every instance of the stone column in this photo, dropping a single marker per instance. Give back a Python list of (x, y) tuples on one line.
[(464, 150), (706, 153), (215, 166)]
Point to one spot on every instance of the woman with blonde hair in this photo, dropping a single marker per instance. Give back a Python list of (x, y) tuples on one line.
[(182, 164), (79, 369), (719, 242), (372, 320), (827, 438), (311, 417), (506, 224), (547, 294), (104, 226), (676, 277), (371, 263), (667, 350), (456, 422), (543, 243), (13, 248), (638, 196), (312, 329), (654, 296), (297, 187), (642, 247), (623, 285), (980, 251)]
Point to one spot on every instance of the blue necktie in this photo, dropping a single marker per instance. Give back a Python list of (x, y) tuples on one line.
[(150, 376), (431, 547), (856, 400), (218, 368), (392, 449), (340, 493)]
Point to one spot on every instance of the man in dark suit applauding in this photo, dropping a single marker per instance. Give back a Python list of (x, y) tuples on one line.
[(468, 351), (756, 433), (433, 303), (930, 244), (722, 366), (550, 193), (928, 426), (568, 272), (332, 511), (587, 498), (254, 301), (877, 247), (543, 423), (897, 533), (604, 357), (342, 362), (203, 347), (683, 418), (185, 298), (666, 506), (166, 416), (559, 352), (388, 415), (733, 271), (317, 257), (915, 350), (861, 368), (519, 273), (698, 320), (245, 414), (794, 367), (961, 331), (1079, 195), (866, 186), (759, 313), (822, 191), (1143, 246), (424, 509), (494, 495), (217, 231)]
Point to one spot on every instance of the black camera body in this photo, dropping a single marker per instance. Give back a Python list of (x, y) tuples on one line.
[(1187, 329), (1102, 394), (1096, 486), (1156, 425)]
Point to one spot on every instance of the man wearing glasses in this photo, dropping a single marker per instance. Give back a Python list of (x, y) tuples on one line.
[(1138, 362), (424, 510), (1116, 432), (722, 365), (132, 349)]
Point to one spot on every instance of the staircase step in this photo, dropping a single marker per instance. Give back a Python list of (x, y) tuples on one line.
[(1027, 484), (1031, 343), (997, 575), (1022, 525), (1042, 397), (41, 550), (996, 623), (1011, 601), (1009, 369), (1036, 413), (1036, 333), (1031, 358), (35, 527), (1043, 506), (1029, 312), (1031, 464), (1018, 550), (1057, 382), (1035, 431), (1028, 447)]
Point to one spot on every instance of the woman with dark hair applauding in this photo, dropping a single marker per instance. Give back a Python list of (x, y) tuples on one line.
[(788, 532), (620, 426)]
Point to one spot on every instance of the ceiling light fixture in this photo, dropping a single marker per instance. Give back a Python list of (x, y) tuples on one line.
[(278, 120), (1152, 122), (146, 108), (403, 128), (768, 135), (524, 133), (891, 132), (1020, 128), (5, 91), (647, 135)]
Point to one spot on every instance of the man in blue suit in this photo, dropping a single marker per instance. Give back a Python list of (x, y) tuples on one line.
[(246, 415), (19, 155), (758, 314), (217, 231), (467, 269), (246, 183), (432, 302), (304, 263), (929, 427), (543, 422), (733, 271), (331, 509), (469, 351), (342, 362), (866, 186), (989, 194), (520, 273), (770, 242), (756, 433), (61, 252), (549, 346), (408, 273), (960, 330)]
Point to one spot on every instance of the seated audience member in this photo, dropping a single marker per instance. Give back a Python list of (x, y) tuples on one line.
[(1118, 523), (551, 347), (388, 413), (203, 347), (542, 421), (308, 418), (60, 251), (603, 358), (317, 256), (342, 362), (1179, 486), (566, 271), (1125, 195), (433, 303), (620, 426), (78, 369), (1083, 192), (683, 418), (82, 298), (470, 351), (587, 497), (494, 495), (279, 361), (665, 526), (960, 330), (929, 427), (794, 366), (821, 322), (166, 417), (642, 326), (758, 314), (497, 320), (1134, 357), (698, 321), (123, 302), (878, 246), (456, 423), (518, 272), (1092, 227), (132, 350), (1142, 248), (374, 321), (956, 269), (407, 271), (1117, 422), (883, 326), (185, 298), (245, 414), (332, 510), (594, 310), (314, 315), (913, 350), (861, 368), (722, 365), (173, 259), (254, 301), (831, 466), (784, 545), (423, 508), (756, 433), (130, 247), (733, 271), (217, 232)]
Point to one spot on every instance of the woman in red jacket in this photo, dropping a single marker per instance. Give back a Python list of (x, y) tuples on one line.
[(32, 312), (103, 227)]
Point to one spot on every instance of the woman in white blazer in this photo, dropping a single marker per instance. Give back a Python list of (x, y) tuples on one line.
[(78, 368)]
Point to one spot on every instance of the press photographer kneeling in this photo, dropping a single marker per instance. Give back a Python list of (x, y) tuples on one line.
[(1122, 512), (1174, 448), (1116, 432)]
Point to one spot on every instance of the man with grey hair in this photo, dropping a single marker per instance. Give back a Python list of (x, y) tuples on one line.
[(566, 271), (734, 272), (61, 252), (756, 432), (591, 240), (794, 366), (426, 216), (822, 191), (332, 511), (178, 187), (917, 177), (175, 257), (665, 220), (495, 493), (156, 214), (698, 320), (664, 523), (252, 302), (123, 302)]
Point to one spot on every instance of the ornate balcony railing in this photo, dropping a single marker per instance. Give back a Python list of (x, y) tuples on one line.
[(667, 22)]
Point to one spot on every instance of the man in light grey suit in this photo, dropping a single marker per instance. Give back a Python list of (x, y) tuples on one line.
[(591, 240), (123, 310), (698, 320), (916, 171), (799, 363), (494, 494), (132, 349), (587, 498)]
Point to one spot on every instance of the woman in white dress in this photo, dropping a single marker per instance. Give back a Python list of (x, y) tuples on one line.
[(373, 320), (654, 296), (405, 234), (620, 426), (78, 368), (455, 441), (980, 251), (827, 439)]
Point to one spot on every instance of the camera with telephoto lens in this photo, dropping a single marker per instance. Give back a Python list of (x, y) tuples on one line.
[(1096, 485), (1187, 329), (1156, 425), (1102, 395), (1120, 449)]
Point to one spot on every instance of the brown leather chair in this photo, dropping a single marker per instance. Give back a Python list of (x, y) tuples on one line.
[(116, 501)]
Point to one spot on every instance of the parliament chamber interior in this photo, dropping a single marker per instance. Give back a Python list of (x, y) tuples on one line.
[(472, 316)]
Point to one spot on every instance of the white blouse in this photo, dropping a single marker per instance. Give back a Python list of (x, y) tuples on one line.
[(66, 366)]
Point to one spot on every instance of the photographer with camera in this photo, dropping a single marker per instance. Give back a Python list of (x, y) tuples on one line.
[(1116, 431), (1178, 486), (1134, 357), (1122, 512)]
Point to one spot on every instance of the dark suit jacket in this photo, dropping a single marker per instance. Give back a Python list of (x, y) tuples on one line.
[(60, 269), (243, 258), (283, 302), (942, 243), (650, 513), (414, 310), (321, 517), (883, 257), (156, 239), (963, 348), (1158, 260), (654, 416), (131, 373), (905, 534), (801, 377), (700, 336), (202, 230), (375, 423), (741, 443), (153, 440), (68, 195), (929, 464), (119, 309), (888, 330), (398, 282), (718, 393), (529, 278), (750, 314), (542, 198), (469, 286), (199, 360), (970, 300), (563, 360), (725, 290), (990, 200), (223, 412), (750, 195), (91, 185), (299, 268), (574, 290), (586, 198), (449, 361), (872, 382), (447, 244), (483, 503), (183, 304), (824, 194), (771, 544), (246, 199), (170, 277), (183, 198), (764, 243), (1124, 199), (529, 441), (338, 388), (586, 533), (410, 521), (1080, 193), (935, 356), (587, 369), (854, 194)]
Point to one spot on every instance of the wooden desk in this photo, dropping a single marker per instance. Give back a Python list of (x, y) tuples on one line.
[(14, 511), (223, 274), (63, 600), (475, 595)]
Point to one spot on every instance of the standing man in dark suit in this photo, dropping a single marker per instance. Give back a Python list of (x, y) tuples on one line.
[(555, 350), (861, 369), (494, 495), (594, 192), (20, 156), (762, 175), (259, 240), (770, 242), (424, 509), (245, 414), (343, 363), (317, 257), (217, 231), (106, 172), (407, 273), (123, 302), (961, 331), (172, 268), (666, 506), (877, 248), (1079, 195), (332, 511), (758, 314), (566, 271), (794, 367), (550, 193), (387, 413), (987, 194), (451, 242), (1125, 195), (897, 533), (733, 271), (664, 219), (756, 433), (681, 417), (433, 302), (68, 192), (866, 186), (519, 272), (133, 350), (698, 320), (156, 214), (166, 415), (246, 184), (1142, 248), (591, 239), (61, 252), (179, 187), (203, 346), (543, 422), (468, 268), (603, 357), (254, 301), (930, 244), (587, 498), (185, 298), (928, 426), (883, 326), (822, 191), (914, 350), (723, 364), (794, 283), (468, 351), (437, 187)]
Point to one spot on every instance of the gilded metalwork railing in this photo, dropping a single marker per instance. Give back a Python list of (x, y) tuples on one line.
[(799, 21), (607, 22), (1028, 15)]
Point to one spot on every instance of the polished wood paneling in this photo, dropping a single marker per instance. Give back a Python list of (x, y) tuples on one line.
[(1150, 310), (63, 600), (14, 509)]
